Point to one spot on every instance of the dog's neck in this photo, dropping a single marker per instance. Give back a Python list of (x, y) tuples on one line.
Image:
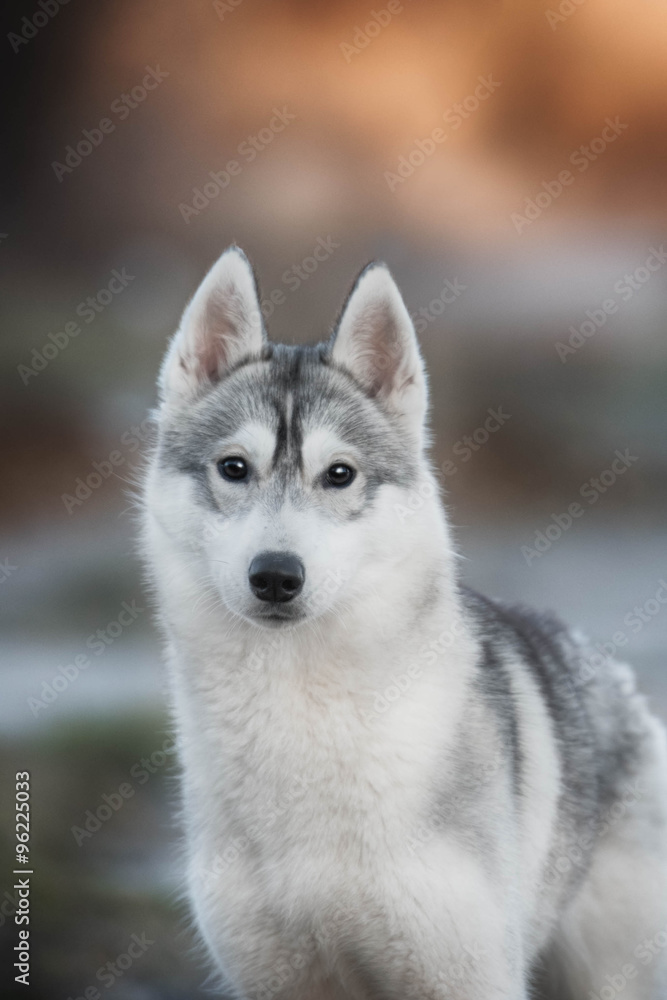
[(359, 686)]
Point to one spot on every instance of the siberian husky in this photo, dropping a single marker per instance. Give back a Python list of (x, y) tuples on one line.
[(393, 788)]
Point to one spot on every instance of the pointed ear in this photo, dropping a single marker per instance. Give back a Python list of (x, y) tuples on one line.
[(375, 341), (221, 326)]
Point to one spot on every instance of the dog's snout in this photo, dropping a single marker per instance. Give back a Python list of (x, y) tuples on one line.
[(276, 576)]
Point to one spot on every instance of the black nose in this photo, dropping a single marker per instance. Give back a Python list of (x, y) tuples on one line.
[(276, 576)]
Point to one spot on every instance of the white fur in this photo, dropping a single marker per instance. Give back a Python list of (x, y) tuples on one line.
[(314, 867)]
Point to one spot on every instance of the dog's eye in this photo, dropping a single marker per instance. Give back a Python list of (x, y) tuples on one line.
[(233, 468), (339, 474)]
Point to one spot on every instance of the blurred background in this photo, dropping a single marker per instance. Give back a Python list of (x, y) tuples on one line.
[(508, 161)]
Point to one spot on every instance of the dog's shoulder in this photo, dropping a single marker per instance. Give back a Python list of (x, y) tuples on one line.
[(521, 638), (600, 722)]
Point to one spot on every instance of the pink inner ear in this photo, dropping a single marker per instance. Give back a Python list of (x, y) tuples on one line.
[(214, 338), (202, 366), (410, 380), (382, 352), (210, 362), (207, 363)]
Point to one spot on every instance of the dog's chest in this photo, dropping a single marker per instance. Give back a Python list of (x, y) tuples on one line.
[(322, 774)]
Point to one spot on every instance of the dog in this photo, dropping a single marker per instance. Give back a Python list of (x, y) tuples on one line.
[(393, 788)]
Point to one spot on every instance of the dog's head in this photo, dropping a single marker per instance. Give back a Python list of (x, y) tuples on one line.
[(289, 475)]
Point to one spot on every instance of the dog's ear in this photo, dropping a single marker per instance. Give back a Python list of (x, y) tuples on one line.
[(221, 326), (375, 341)]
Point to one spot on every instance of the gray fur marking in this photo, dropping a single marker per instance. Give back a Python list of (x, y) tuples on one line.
[(322, 395)]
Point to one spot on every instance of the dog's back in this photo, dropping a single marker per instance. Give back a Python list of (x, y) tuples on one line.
[(611, 821)]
